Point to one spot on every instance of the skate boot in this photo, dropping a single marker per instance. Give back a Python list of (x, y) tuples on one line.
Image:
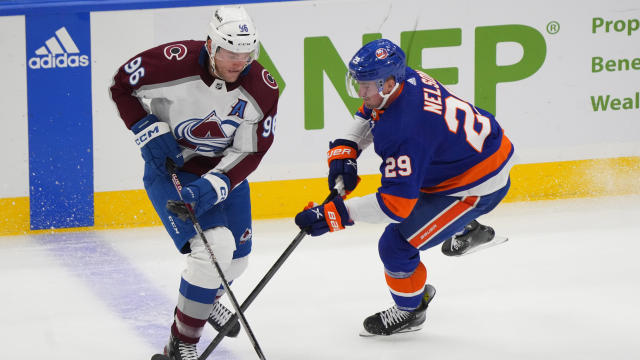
[(219, 317), (477, 237), (179, 350), (394, 321)]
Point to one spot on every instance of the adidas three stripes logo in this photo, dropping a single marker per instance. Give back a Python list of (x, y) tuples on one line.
[(59, 51), (54, 45)]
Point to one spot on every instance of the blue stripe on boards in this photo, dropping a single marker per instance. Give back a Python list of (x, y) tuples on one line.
[(60, 131), (33, 7)]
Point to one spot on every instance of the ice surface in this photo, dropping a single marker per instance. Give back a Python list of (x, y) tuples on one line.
[(565, 286)]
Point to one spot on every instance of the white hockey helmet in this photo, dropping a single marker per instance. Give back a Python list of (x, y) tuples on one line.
[(232, 29)]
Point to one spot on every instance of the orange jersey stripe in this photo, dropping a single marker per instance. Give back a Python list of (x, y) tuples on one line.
[(478, 171), (411, 285), (399, 206), (375, 113), (443, 220)]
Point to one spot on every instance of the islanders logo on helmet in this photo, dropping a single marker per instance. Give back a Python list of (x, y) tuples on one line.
[(377, 60), (382, 53)]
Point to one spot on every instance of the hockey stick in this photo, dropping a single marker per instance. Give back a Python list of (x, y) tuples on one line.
[(232, 320), (171, 169)]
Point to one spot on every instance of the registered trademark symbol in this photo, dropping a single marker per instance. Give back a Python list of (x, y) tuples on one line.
[(553, 27)]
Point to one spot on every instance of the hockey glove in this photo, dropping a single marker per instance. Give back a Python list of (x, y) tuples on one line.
[(203, 194), (157, 143), (342, 162), (317, 220)]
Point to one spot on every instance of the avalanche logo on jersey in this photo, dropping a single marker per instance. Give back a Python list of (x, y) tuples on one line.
[(207, 136), (246, 235)]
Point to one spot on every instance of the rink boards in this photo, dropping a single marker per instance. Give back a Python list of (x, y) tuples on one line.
[(562, 82)]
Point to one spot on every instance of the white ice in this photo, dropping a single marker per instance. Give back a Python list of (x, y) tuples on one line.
[(565, 286)]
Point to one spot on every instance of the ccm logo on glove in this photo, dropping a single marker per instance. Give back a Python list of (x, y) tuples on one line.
[(151, 132)]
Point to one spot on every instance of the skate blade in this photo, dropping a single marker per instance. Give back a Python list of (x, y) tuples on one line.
[(159, 357), (497, 240), (365, 333)]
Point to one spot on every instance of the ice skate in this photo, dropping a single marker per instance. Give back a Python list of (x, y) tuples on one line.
[(219, 317), (478, 237), (395, 321), (179, 350)]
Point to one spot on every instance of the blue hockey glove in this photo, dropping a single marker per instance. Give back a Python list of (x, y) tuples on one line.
[(342, 156), (203, 194), (317, 220), (157, 143)]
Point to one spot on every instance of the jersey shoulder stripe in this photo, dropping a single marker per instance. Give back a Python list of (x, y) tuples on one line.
[(479, 172)]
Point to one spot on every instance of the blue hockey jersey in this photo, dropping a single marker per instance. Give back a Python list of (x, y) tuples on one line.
[(431, 141)]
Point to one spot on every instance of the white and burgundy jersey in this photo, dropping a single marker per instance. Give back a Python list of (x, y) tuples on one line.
[(225, 127)]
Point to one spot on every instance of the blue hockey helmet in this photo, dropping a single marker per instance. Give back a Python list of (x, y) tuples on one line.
[(375, 62)]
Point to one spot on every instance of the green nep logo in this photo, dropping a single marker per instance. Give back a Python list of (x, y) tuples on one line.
[(321, 57)]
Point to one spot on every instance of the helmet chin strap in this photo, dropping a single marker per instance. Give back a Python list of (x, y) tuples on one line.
[(215, 73), (385, 98), (213, 67), (212, 62)]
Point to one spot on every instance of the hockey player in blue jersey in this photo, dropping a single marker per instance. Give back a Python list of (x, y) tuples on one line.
[(445, 162)]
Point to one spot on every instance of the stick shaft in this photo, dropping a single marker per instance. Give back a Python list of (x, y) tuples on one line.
[(225, 284), (232, 320)]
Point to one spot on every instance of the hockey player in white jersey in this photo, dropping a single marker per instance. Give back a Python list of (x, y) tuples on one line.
[(209, 108)]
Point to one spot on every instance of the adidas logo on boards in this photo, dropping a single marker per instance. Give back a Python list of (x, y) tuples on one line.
[(60, 51)]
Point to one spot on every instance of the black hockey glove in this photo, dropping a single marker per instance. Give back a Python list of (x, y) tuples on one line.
[(342, 156)]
